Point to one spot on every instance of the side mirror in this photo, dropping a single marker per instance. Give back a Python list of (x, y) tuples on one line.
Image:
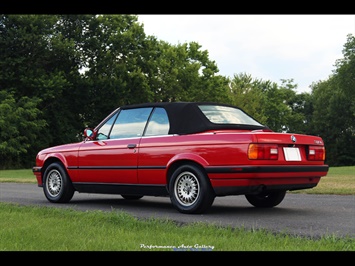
[(89, 133)]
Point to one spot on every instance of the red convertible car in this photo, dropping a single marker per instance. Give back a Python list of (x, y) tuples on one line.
[(192, 152)]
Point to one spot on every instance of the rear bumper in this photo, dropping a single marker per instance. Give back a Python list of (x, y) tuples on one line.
[(238, 180), (321, 170), (254, 186)]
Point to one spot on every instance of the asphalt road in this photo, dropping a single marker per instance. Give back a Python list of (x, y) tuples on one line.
[(298, 214)]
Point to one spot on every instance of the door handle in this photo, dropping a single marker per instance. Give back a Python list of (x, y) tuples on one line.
[(131, 146)]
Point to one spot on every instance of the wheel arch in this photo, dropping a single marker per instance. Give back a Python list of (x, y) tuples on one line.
[(52, 159), (174, 164)]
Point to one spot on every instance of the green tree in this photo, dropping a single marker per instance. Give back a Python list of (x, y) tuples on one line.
[(40, 62), (115, 64), (302, 113), (334, 113), (81, 67), (296, 107), (246, 93), (184, 73), (19, 129), (266, 101), (327, 117)]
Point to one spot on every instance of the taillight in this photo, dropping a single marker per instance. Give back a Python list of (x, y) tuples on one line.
[(263, 152), (316, 153)]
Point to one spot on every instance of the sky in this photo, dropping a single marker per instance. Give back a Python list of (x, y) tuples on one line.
[(266, 47)]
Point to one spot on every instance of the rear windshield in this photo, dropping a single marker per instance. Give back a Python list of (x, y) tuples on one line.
[(227, 115)]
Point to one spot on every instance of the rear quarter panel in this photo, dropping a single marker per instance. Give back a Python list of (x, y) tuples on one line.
[(216, 149), (158, 153)]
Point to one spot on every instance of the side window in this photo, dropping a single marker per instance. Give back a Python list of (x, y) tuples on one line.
[(104, 131), (158, 123), (130, 123)]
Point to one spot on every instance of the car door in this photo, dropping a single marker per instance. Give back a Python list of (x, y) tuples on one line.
[(112, 156), (155, 150)]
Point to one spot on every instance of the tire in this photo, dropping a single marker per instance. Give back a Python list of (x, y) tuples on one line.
[(57, 186), (266, 199), (131, 197), (190, 190)]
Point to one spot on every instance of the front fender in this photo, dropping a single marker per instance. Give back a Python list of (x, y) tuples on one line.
[(42, 162), (55, 156)]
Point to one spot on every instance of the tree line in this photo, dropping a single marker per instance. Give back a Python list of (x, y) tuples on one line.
[(62, 73)]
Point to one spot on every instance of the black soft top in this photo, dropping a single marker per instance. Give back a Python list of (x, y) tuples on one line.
[(187, 118)]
